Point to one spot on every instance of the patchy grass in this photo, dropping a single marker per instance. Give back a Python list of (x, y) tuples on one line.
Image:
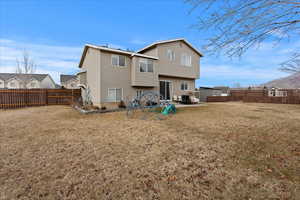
[(218, 151)]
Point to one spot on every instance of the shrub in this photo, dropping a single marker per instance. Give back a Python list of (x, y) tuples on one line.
[(122, 104)]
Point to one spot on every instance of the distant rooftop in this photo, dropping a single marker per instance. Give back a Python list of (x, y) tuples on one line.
[(7, 76), (65, 78)]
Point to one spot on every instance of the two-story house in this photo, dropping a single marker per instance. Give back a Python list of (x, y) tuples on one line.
[(168, 67), (20, 81)]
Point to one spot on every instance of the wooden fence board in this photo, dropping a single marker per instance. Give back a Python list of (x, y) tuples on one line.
[(18, 98), (258, 96)]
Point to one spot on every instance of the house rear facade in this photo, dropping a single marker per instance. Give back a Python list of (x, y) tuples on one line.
[(168, 67)]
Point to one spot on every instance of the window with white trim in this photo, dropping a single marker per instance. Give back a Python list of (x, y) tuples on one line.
[(186, 60), (118, 60), (171, 55), (146, 65), (115, 94), (139, 93), (184, 86)]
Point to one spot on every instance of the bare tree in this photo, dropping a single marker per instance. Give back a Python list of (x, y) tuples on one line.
[(25, 66), (292, 65), (237, 25)]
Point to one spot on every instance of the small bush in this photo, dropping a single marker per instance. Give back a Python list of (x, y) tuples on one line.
[(122, 104), (90, 107), (103, 108)]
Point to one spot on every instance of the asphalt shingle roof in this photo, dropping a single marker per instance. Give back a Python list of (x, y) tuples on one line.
[(65, 78), (7, 76)]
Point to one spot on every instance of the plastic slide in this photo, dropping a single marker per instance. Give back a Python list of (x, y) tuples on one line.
[(169, 109)]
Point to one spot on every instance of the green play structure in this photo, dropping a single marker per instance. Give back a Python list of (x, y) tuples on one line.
[(169, 109)]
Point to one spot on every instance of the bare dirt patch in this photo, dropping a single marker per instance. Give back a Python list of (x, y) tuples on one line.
[(219, 151)]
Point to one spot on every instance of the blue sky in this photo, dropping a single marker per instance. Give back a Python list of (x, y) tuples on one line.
[(54, 33)]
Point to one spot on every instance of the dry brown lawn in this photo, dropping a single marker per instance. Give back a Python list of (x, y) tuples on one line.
[(216, 151)]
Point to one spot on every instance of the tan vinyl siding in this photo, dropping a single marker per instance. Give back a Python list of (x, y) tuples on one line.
[(101, 75), (152, 52), (82, 78), (146, 79), (114, 77), (91, 63), (175, 68)]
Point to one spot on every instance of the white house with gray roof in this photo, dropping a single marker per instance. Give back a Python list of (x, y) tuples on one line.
[(20, 81), (69, 81)]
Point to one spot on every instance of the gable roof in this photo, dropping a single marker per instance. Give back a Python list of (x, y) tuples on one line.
[(169, 41), (129, 53), (7, 76), (64, 78)]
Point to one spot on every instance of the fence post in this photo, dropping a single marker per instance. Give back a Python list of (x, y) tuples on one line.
[(72, 97), (46, 97)]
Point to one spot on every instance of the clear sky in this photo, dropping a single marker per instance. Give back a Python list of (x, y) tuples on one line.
[(55, 31)]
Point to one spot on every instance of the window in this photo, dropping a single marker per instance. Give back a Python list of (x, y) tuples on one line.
[(146, 65), (186, 60), (139, 93), (32, 84), (171, 55), (115, 94), (118, 60), (12, 84), (277, 93), (184, 86)]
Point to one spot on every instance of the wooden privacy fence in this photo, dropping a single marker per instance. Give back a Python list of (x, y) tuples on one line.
[(18, 98), (258, 96)]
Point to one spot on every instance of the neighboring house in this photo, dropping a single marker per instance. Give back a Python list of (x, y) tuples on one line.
[(167, 67), (57, 86), (69, 81), (225, 90), (19, 81), (204, 92)]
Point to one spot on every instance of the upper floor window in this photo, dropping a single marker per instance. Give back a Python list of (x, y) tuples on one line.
[(184, 86), (186, 60), (146, 65), (118, 60), (12, 84), (171, 55), (32, 84)]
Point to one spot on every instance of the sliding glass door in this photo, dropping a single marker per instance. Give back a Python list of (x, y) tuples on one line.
[(165, 90)]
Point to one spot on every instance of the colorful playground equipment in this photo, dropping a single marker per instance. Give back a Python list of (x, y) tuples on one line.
[(168, 109)]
